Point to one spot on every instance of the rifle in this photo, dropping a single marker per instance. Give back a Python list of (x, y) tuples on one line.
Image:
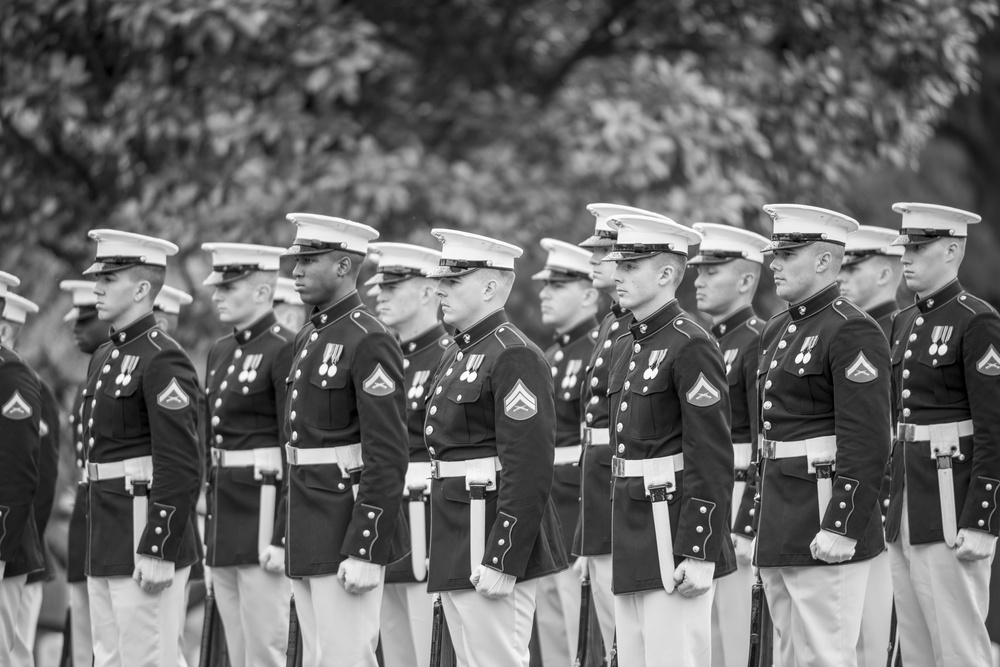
[(293, 654), (66, 657), (895, 656), (761, 629), (213, 638), (442, 650), (589, 644)]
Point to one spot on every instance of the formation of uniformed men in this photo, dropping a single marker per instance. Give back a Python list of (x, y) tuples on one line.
[(371, 465)]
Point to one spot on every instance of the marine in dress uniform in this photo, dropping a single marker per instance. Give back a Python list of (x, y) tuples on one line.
[(15, 315), (89, 332), (569, 305), (673, 464), (140, 418), (288, 306), (406, 303), (592, 541), (245, 392), (869, 277), (167, 307), (823, 382), (20, 447), (490, 432), (729, 265), (347, 450), (942, 523)]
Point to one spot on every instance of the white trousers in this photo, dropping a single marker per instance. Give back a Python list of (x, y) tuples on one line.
[(941, 603), (79, 615), (817, 612), (731, 618), (557, 613), (253, 605), (339, 629), (876, 617), (13, 648), (656, 629), (133, 628), (407, 622), (599, 568), (490, 633), (27, 615)]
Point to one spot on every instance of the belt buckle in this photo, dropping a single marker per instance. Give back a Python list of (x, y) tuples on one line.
[(906, 432), (137, 487), (217, 456), (617, 466), (767, 449), (435, 472), (292, 454), (822, 469)]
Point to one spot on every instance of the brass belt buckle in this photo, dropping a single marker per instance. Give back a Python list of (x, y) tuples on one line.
[(767, 449)]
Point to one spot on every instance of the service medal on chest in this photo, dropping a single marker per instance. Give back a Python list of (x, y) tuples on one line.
[(805, 352)]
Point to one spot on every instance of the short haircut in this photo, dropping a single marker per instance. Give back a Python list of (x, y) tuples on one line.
[(154, 275), (269, 278), (679, 262), (504, 280), (356, 261), (836, 253)]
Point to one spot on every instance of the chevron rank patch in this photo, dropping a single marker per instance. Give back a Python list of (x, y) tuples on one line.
[(990, 363), (861, 370), (703, 393), (520, 403), (379, 383), (173, 397), (16, 407)]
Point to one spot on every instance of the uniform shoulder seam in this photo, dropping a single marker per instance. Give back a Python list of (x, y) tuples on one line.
[(983, 305), (521, 339)]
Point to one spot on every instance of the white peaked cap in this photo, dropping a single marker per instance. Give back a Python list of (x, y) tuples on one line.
[(923, 223), (564, 262), (318, 234), (18, 308), (170, 299), (7, 280), (84, 299), (463, 252), (121, 250), (399, 261), (796, 225), (232, 261), (641, 236), (870, 241), (604, 232), (723, 243)]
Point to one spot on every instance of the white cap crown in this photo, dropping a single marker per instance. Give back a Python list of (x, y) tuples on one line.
[(170, 299), (797, 225), (7, 280), (642, 236), (923, 223), (232, 261), (117, 250), (18, 308), (322, 233), (604, 232), (565, 261), (399, 261), (463, 252), (82, 293), (722, 243)]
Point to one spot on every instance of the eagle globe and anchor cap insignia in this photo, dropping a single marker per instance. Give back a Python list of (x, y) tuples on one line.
[(520, 403), (379, 383), (861, 370), (703, 393), (173, 397), (16, 407), (990, 363)]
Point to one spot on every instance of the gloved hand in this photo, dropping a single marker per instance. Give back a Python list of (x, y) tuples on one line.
[(359, 576), (580, 567), (272, 559), (3, 566), (153, 574), (694, 577), (492, 584), (831, 547), (744, 546), (974, 544)]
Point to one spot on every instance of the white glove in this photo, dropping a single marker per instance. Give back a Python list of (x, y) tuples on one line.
[(694, 577), (492, 584), (974, 544), (359, 576), (744, 547), (831, 547), (272, 559), (3, 566), (580, 567), (153, 574)]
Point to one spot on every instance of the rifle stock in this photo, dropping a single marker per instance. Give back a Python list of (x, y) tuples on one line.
[(761, 629)]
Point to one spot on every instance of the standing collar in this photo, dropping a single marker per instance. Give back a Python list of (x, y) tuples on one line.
[(481, 329), (618, 311), (732, 322), (656, 321), (252, 332), (136, 329), (579, 331), (886, 308), (323, 318), (815, 303), (941, 297), (432, 336)]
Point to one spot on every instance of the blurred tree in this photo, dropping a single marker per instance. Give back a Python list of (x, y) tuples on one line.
[(207, 120)]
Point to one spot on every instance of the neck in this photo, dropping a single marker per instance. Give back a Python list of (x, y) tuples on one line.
[(254, 317), (646, 310), (467, 323), (883, 296), (344, 288), (811, 292), (729, 311), (416, 325), (137, 311), (582, 317), (943, 279)]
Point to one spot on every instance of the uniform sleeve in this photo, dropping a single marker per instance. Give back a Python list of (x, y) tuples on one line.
[(48, 461), (377, 373), (699, 375), (279, 375), (743, 525), (981, 356), (173, 399), (20, 412), (206, 408), (859, 364), (525, 419)]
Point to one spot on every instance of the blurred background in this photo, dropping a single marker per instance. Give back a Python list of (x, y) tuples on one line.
[(209, 120)]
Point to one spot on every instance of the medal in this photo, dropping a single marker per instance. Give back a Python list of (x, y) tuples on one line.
[(120, 378), (243, 375), (935, 337), (331, 371), (251, 376), (331, 355), (647, 374), (805, 352), (472, 376), (464, 376), (471, 367), (323, 368), (127, 380), (807, 357)]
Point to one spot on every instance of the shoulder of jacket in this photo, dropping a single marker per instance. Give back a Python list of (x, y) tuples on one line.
[(367, 322), (690, 328), (848, 310), (755, 325), (282, 334), (974, 304), (508, 336), (8, 355), (161, 340), (445, 341)]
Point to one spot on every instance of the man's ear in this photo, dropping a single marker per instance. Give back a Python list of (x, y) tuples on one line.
[(344, 266)]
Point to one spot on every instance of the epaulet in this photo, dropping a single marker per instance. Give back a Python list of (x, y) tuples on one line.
[(281, 333), (159, 339), (367, 322), (755, 324), (689, 327), (848, 310), (7, 354), (445, 341), (974, 304), (509, 337)]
